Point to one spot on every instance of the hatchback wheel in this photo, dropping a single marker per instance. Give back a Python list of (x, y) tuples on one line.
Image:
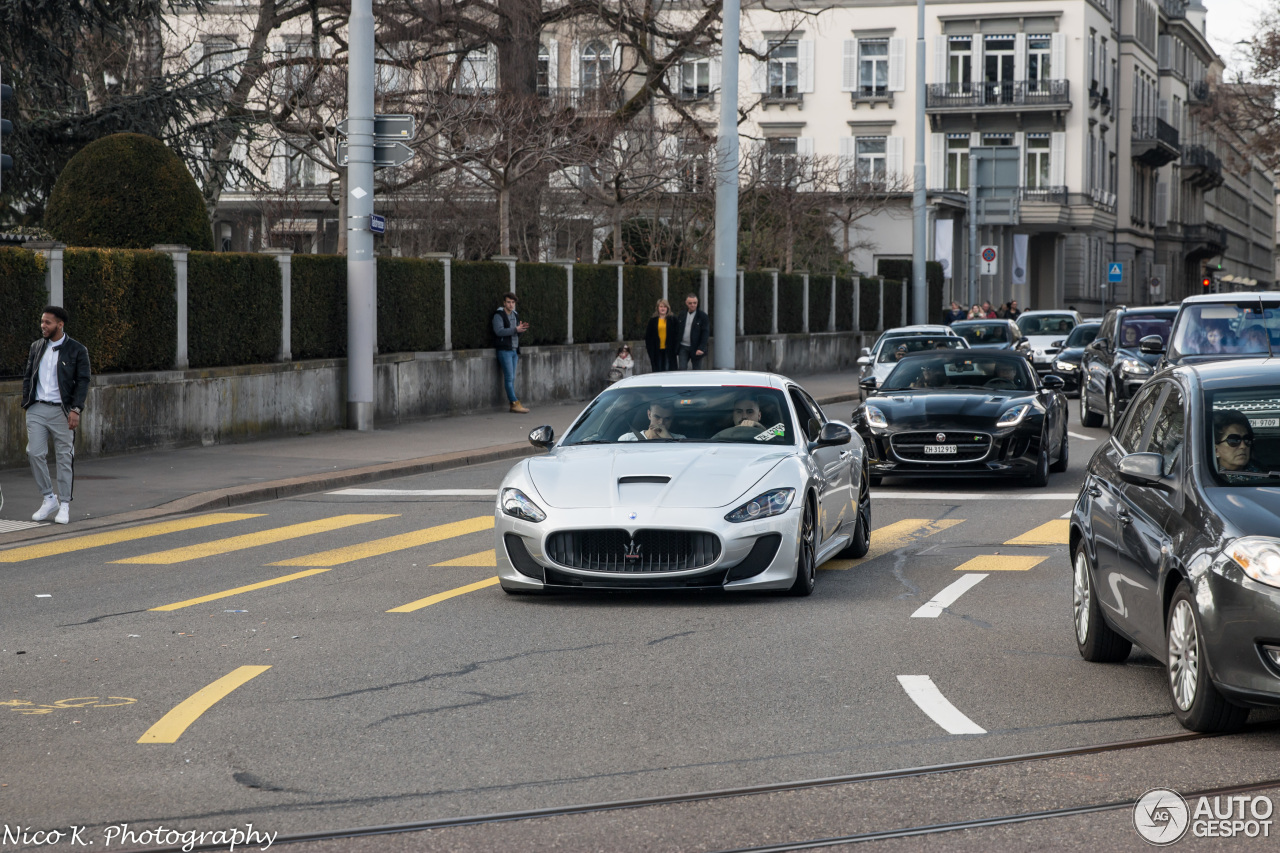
[(806, 554), (1088, 417), (1094, 638), (1196, 702)]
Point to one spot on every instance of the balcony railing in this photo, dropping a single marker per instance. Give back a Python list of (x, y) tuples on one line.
[(1198, 91), (1153, 129), (1009, 93), (1215, 236), (1174, 9), (1049, 195), (1200, 157)]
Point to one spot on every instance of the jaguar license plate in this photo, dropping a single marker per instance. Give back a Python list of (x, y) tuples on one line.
[(941, 449)]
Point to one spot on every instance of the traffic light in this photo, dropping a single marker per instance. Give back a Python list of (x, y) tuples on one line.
[(6, 128), (1206, 282)]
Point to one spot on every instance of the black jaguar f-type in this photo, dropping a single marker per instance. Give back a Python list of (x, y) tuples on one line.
[(961, 413)]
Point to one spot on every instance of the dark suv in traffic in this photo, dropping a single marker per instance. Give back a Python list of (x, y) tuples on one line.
[(1117, 364), (1215, 326)]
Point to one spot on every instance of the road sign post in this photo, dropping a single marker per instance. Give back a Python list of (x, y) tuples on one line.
[(1115, 272), (990, 258)]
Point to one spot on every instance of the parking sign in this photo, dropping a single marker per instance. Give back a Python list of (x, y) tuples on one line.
[(989, 256)]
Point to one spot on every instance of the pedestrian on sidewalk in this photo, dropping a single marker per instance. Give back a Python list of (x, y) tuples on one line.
[(507, 328), (623, 365), (660, 338), (55, 385), (694, 336)]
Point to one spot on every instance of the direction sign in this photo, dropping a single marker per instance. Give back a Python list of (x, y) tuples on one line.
[(377, 224), (989, 255), (384, 154), (1115, 272), (386, 127)]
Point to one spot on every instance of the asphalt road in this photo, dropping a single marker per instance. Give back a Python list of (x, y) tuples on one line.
[(344, 660)]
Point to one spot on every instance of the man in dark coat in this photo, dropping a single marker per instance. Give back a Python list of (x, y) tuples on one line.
[(693, 336)]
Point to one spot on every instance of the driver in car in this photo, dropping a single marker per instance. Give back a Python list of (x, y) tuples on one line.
[(1006, 376), (931, 376), (1233, 443), (746, 419), (660, 415)]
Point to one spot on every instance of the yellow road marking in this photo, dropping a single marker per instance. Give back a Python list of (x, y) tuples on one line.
[(1055, 532), (442, 596), (392, 543), (171, 726), (998, 563), (96, 540), (230, 592), (891, 537), (484, 558), (252, 540)]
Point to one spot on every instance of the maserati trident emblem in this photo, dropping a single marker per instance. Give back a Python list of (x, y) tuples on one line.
[(941, 437), (633, 551)]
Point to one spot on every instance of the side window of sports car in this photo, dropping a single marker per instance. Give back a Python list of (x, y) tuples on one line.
[(811, 418), (1168, 431), (1131, 430)]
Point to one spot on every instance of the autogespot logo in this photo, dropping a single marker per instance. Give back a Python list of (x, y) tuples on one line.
[(1161, 816)]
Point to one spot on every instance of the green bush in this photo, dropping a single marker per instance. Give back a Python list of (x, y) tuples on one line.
[(23, 294), (680, 283), (233, 309), (641, 290), (844, 304), (757, 303), (122, 307), (819, 302), (791, 304), (595, 303), (901, 269), (477, 288), (410, 305), (544, 302), (893, 293), (318, 307), (869, 304), (153, 314), (127, 191)]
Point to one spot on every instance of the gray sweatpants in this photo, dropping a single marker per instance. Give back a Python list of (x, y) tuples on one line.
[(46, 421)]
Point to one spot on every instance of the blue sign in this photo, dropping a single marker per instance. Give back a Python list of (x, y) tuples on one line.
[(377, 224), (1115, 272)]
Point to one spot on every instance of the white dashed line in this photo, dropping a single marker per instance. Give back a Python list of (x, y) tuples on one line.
[(976, 496), (418, 493), (925, 694), (934, 607), (1081, 437)]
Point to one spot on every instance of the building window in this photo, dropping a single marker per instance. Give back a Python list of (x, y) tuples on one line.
[(695, 78), (784, 69), (958, 161), (476, 71), (1037, 169), (1039, 72), (873, 68), (870, 154), (998, 55), (300, 170), (544, 70), (960, 63), (220, 59), (695, 168), (781, 156), (597, 65)]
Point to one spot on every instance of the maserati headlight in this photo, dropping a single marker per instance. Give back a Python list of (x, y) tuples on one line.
[(771, 503), (875, 417), (1134, 367), (1014, 416), (1259, 556), (1065, 367), (516, 504)]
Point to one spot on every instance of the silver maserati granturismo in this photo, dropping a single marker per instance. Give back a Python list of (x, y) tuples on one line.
[(686, 480)]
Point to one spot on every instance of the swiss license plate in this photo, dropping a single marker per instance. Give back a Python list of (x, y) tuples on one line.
[(939, 448), (1264, 422)]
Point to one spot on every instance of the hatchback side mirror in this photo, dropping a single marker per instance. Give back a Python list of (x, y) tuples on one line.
[(1152, 344), (1053, 382), (866, 350), (543, 436), (1142, 469), (1060, 343), (834, 434)]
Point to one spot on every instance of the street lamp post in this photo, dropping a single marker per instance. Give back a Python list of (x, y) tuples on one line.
[(920, 228), (726, 251)]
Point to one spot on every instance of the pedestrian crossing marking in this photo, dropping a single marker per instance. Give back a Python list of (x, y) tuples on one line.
[(128, 534), (1054, 532), (227, 593), (484, 558), (378, 547), (1000, 563), (252, 540), (443, 596), (891, 537)]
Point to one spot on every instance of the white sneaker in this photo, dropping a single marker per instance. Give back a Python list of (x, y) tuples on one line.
[(64, 514), (48, 508)]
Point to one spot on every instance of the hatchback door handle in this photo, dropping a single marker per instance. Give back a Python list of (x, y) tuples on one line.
[(1124, 517), (1093, 492)]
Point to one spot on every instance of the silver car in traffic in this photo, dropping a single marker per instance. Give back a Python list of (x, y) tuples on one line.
[(686, 480)]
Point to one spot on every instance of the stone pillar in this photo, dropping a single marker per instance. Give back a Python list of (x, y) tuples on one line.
[(831, 312), (284, 259), (773, 317), (663, 265), (880, 316), (446, 260), (52, 253), (705, 296), (804, 304), (857, 303), (904, 302), (617, 264), (742, 317), (568, 283), (178, 254), (510, 261)]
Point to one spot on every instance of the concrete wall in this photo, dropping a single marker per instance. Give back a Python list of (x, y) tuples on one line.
[(136, 411)]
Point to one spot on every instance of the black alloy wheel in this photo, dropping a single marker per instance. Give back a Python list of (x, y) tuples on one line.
[(1040, 477), (806, 554), (861, 542), (1196, 701), (1113, 411), (1094, 638), (1060, 466), (1088, 417)]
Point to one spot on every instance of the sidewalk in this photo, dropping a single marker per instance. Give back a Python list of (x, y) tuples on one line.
[(156, 483)]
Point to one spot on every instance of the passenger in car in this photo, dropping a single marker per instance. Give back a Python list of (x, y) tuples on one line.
[(1233, 442), (1252, 339), (660, 416)]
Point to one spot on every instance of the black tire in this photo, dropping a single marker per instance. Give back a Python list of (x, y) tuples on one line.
[(806, 553), (861, 542), (1094, 638), (1088, 417), (1196, 701), (1060, 466), (1113, 409), (1040, 476)]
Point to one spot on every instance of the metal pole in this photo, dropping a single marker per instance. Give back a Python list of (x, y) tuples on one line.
[(920, 229), (726, 251), (973, 229), (362, 271)]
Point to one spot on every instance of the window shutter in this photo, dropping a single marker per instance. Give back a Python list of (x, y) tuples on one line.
[(1162, 205), (1058, 56), (938, 161), (804, 52), (553, 64), (897, 65), (1020, 57), (979, 71), (848, 158), (673, 79), (804, 146), (760, 69), (940, 59), (490, 67), (575, 66), (849, 77), (1164, 109), (1058, 159), (276, 169), (893, 158), (714, 72), (615, 54)]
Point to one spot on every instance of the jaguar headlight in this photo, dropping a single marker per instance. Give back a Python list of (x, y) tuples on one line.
[(1014, 416), (1134, 367), (875, 417), (516, 504), (1065, 367), (1259, 556), (771, 503)]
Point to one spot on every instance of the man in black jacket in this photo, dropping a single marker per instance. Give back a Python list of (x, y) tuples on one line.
[(693, 336), (55, 385)]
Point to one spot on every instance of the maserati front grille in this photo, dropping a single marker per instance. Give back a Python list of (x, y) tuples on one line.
[(619, 551)]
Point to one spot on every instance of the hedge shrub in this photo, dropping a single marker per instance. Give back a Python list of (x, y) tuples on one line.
[(318, 308), (544, 302), (791, 303), (122, 307), (893, 293), (410, 305), (233, 309), (680, 283), (127, 191), (595, 303), (869, 304), (901, 269), (844, 304), (477, 292), (641, 290), (23, 294), (757, 303), (819, 302)]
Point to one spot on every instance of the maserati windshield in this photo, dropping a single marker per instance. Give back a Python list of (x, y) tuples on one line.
[(729, 413)]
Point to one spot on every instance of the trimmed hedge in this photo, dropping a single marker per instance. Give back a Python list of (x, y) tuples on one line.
[(543, 302), (893, 302), (318, 307), (869, 304), (641, 290), (901, 268), (844, 304), (233, 309), (476, 293), (410, 305), (122, 307), (595, 303), (757, 303), (791, 303), (23, 294), (681, 282), (819, 302)]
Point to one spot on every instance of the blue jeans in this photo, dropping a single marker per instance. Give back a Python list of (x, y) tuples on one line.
[(507, 359)]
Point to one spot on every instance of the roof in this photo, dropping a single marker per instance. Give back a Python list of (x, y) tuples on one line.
[(1234, 373), (1170, 310), (1044, 312), (919, 329), (1269, 295), (982, 320), (703, 378)]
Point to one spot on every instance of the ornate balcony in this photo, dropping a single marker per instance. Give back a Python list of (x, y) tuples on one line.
[(1174, 9), (1198, 92), (1201, 167), (1205, 239), (1012, 95), (1154, 141)]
